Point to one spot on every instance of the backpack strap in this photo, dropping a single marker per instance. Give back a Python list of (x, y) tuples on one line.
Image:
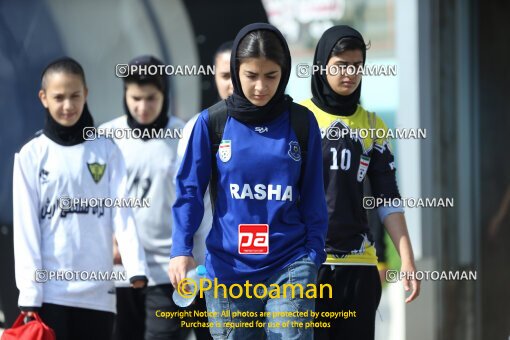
[(215, 127), (300, 124)]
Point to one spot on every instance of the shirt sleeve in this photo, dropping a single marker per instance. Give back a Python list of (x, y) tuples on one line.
[(312, 200), (384, 211), (382, 171), (191, 183), (132, 252), (27, 231)]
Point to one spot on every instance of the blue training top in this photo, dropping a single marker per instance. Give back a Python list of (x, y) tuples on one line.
[(258, 174)]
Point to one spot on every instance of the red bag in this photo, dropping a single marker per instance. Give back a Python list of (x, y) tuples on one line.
[(32, 330)]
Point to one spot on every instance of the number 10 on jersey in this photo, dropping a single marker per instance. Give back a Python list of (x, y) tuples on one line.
[(345, 159)]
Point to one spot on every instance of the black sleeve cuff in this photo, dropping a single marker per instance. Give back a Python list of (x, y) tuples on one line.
[(29, 309), (139, 277)]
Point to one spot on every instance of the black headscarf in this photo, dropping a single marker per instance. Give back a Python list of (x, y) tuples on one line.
[(158, 80), (238, 106), (67, 135), (323, 95)]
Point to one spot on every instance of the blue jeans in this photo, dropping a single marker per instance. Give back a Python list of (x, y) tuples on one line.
[(230, 323)]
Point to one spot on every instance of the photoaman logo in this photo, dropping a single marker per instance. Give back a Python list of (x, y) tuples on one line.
[(188, 287)]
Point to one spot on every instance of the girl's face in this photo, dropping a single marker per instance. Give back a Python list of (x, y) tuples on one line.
[(144, 102), (222, 75), (259, 79), (340, 77), (64, 96)]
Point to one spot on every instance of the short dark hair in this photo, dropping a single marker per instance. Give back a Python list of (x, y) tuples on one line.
[(225, 47), (262, 44), (349, 44), (142, 78), (65, 65)]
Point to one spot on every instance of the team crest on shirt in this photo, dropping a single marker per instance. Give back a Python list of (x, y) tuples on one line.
[(225, 150), (294, 151), (96, 170)]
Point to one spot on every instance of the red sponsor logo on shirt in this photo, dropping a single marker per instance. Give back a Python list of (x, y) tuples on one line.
[(253, 239)]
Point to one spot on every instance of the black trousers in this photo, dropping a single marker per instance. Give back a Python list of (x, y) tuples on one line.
[(357, 293), (136, 315), (72, 323)]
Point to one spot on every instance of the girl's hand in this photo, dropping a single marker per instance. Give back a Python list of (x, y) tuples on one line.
[(29, 314), (178, 267), (412, 285), (116, 254), (138, 284)]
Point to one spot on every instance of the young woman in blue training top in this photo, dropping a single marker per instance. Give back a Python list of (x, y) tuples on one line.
[(259, 165)]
